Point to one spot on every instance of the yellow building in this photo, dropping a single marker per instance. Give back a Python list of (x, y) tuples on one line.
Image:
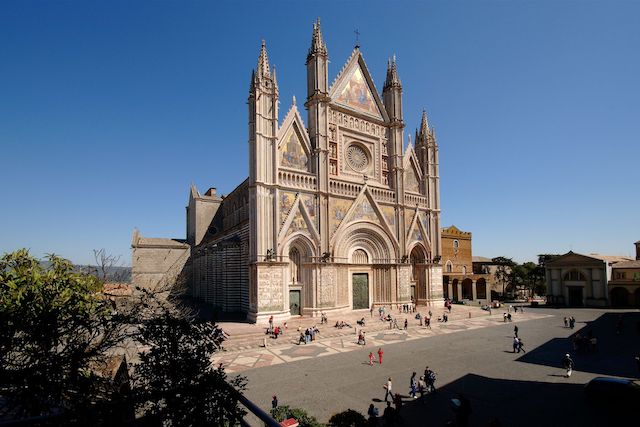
[(460, 282)]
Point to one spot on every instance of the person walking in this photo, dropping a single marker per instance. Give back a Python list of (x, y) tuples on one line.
[(380, 353), (274, 402), (515, 344), (521, 345), (413, 386), (388, 390), (567, 363), (515, 331), (566, 322), (406, 323), (371, 358)]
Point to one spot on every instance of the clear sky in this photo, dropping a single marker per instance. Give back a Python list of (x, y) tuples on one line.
[(110, 109)]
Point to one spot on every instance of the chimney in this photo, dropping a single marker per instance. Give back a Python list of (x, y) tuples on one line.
[(638, 250), (211, 192)]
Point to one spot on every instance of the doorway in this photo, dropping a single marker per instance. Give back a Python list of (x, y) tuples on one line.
[(360, 285), (575, 296), (294, 302)]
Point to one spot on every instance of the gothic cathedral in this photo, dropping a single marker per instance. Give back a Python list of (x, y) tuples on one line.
[(334, 216)]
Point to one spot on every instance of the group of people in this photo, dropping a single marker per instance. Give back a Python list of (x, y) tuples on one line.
[(308, 335), (341, 324), (569, 322), (586, 344), (371, 357), (276, 331)]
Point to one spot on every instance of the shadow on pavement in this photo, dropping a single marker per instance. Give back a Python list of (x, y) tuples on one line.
[(512, 403), (615, 352)]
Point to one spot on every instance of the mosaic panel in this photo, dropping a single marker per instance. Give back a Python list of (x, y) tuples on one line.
[(286, 202), (356, 94), (337, 210), (309, 202), (423, 220), (297, 224), (389, 215), (293, 154), (364, 212), (411, 180), (408, 217), (416, 235)]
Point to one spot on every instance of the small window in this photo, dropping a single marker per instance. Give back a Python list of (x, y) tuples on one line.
[(456, 244)]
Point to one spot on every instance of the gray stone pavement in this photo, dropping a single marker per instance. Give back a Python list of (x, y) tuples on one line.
[(518, 389)]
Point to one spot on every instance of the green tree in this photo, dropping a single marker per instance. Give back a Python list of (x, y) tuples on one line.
[(348, 418), (503, 273), (56, 328), (281, 413), (175, 383)]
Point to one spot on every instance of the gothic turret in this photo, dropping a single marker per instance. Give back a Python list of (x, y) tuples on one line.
[(263, 127), (317, 105)]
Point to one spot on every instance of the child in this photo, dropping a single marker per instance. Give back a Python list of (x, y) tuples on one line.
[(371, 358)]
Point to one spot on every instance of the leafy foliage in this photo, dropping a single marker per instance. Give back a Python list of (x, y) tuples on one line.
[(281, 413), (56, 328), (175, 382), (348, 418)]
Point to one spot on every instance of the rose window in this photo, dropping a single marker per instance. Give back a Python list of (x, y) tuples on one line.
[(357, 158)]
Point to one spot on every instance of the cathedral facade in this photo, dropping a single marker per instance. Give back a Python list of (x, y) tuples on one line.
[(335, 215)]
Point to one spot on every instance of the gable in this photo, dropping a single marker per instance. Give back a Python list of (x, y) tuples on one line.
[(363, 211), (571, 259), (292, 152), (353, 88), (411, 182), (357, 94), (299, 220)]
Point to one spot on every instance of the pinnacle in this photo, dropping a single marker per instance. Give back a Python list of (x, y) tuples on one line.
[(392, 79), (263, 62), (424, 125), (318, 46)]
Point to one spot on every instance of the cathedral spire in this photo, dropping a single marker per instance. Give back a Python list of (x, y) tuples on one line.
[(392, 80), (424, 124), (263, 62), (317, 42)]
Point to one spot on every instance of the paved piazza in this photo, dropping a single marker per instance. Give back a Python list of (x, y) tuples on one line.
[(470, 356)]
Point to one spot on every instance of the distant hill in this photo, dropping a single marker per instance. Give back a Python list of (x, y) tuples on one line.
[(114, 274)]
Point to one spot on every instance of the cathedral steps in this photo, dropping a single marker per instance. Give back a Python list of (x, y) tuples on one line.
[(245, 337)]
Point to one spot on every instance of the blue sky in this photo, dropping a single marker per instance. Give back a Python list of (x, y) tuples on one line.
[(110, 109)]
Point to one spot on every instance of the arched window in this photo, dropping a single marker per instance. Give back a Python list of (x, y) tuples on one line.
[(574, 276), (456, 244), (464, 269), (449, 267), (359, 257), (294, 265)]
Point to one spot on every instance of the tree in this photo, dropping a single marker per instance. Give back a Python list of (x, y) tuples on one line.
[(348, 418), (281, 413), (534, 278), (56, 327), (175, 383), (503, 272)]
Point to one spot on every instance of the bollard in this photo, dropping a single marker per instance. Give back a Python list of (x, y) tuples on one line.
[(469, 315), (264, 342)]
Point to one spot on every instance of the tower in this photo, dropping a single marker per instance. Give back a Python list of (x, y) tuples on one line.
[(392, 98), (263, 125), (427, 150), (317, 104)]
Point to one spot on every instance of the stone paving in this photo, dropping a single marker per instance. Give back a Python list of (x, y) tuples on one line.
[(332, 341)]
